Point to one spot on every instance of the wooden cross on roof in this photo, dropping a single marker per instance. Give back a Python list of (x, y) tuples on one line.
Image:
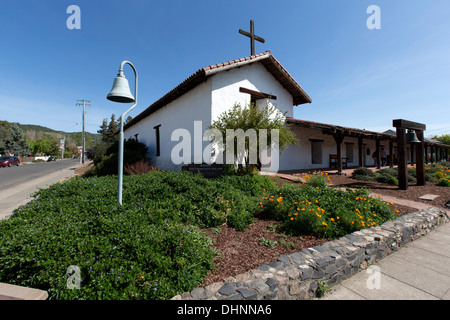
[(252, 37)]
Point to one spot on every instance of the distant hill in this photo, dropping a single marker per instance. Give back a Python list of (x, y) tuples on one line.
[(34, 132)]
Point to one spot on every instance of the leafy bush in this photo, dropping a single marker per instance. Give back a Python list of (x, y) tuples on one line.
[(105, 157), (317, 179), (138, 168), (364, 178), (148, 248), (362, 171), (325, 212), (121, 251), (444, 182), (433, 172), (384, 178)]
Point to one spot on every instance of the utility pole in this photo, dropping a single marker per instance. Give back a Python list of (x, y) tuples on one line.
[(84, 104)]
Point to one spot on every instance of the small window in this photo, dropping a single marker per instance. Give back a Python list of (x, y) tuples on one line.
[(158, 143), (316, 152)]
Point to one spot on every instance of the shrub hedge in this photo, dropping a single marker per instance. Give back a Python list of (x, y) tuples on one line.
[(148, 248)]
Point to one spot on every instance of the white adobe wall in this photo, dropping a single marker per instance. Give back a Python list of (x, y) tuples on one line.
[(195, 105), (225, 89)]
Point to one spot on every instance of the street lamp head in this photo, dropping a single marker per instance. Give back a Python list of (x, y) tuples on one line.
[(120, 91)]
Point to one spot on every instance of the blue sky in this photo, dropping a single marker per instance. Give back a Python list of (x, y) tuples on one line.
[(356, 77)]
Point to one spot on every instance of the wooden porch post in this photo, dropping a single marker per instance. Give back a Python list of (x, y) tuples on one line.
[(360, 152), (339, 138), (401, 125), (378, 155), (426, 153), (420, 165), (402, 159)]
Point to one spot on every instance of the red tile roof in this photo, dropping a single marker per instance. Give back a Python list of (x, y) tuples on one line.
[(266, 59), (332, 129)]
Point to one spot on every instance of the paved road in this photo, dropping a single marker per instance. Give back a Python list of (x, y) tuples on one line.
[(11, 177), (18, 184)]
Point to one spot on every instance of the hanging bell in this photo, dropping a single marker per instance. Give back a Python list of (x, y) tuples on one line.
[(120, 91), (411, 137)]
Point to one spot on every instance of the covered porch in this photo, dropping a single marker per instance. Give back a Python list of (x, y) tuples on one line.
[(373, 149)]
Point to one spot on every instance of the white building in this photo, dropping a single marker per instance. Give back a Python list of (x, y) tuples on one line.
[(214, 89)]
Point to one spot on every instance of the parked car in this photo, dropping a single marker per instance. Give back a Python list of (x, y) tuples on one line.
[(9, 161), (51, 159)]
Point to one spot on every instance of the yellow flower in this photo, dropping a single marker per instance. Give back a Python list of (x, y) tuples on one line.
[(332, 219), (324, 223)]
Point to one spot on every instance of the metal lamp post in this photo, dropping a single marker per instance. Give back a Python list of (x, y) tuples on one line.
[(120, 92)]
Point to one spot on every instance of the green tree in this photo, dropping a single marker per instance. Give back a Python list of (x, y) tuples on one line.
[(113, 127), (16, 143), (103, 130), (5, 135), (47, 145), (445, 138), (257, 118)]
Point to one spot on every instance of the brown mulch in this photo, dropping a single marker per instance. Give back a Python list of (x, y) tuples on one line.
[(241, 251), (413, 193)]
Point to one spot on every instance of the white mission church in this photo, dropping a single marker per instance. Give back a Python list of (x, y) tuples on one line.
[(260, 79)]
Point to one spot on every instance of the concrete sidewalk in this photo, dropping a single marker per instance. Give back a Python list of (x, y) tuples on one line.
[(13, 198), (418, 271)]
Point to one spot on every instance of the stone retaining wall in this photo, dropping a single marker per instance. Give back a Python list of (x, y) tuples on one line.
[(296, 276)]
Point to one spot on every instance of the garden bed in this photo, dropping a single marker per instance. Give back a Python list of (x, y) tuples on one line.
[(240, 251)]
